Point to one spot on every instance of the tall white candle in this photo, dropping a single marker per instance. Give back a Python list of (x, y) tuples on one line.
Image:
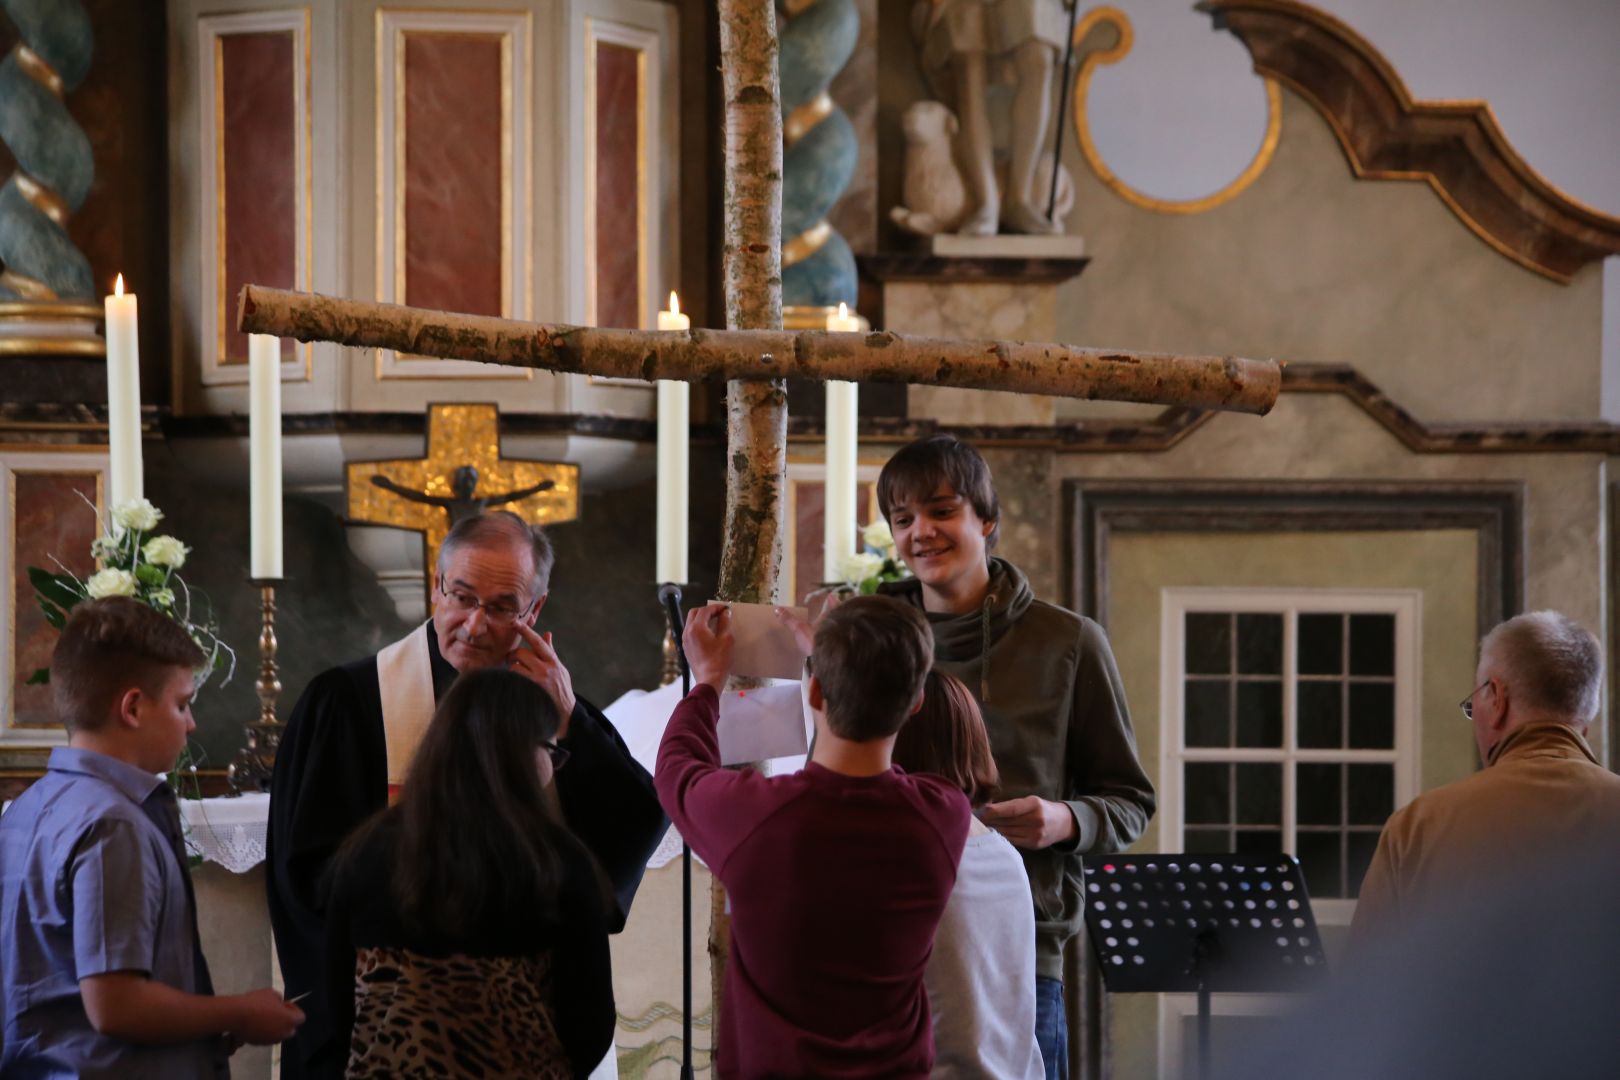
[(123, 396), (264, 437), (838, 535), (674, 421)]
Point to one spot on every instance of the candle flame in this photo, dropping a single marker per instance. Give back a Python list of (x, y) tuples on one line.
[(674, 303), (843, 310), (118, 286)]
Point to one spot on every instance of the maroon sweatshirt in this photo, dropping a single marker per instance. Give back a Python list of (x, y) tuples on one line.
[(836, 884)]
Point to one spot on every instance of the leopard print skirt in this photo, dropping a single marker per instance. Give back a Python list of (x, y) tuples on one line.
[(453, 1017)]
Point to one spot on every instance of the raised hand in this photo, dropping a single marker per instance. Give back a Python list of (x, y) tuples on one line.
[(708, 642), (533, 657)]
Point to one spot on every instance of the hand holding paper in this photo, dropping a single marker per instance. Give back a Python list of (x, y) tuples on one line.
[(766, 649), (709, 643)]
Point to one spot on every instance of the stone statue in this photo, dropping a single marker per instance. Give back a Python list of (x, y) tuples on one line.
[(965, 45), (934, 196), (461, 504)]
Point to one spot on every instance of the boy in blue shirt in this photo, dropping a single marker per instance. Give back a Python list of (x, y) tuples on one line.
[(101, 969)]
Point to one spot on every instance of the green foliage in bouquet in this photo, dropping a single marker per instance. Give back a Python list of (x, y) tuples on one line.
[(135, 563), (865, 570)]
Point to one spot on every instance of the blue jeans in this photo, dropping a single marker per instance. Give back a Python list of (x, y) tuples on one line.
[(1051, 1027)]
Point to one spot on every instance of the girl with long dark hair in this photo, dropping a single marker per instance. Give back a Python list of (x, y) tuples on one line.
[(981, 976), (467, 927)]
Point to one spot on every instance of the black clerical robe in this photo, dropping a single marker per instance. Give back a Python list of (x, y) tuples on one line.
[(332, 773)]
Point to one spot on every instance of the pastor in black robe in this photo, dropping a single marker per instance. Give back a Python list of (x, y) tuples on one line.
[(331, 774)]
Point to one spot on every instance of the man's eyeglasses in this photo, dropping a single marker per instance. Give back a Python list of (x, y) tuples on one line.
[(498, 612), (1467, 703), (558, 754)]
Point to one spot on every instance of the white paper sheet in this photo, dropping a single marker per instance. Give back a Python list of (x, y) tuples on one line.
[(764, 649), (770, 722), (763, 723)]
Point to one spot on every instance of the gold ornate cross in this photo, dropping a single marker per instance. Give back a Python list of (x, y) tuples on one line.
[(458, 436)]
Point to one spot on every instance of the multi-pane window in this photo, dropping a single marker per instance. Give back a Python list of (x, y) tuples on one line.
[(1290, 725)]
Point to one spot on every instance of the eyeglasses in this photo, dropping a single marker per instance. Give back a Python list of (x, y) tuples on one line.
[(559, 754), (499, 613), (1467, 703)]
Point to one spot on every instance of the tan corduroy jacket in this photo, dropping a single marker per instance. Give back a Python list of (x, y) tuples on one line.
[(1541, 796)]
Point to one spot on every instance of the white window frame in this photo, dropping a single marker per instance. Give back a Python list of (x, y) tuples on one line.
[(1407, 607)]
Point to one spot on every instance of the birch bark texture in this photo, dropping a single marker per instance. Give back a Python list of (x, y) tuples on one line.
[(1077, 371)]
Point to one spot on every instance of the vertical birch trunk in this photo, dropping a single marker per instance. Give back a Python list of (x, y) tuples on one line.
[(756, 412)]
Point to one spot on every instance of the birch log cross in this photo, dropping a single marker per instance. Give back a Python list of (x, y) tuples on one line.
[(753, 354)]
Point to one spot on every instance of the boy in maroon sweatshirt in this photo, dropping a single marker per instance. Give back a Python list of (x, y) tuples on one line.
[(837, 874)]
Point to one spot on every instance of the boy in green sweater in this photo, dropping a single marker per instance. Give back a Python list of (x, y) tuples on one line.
[(1047, 683)]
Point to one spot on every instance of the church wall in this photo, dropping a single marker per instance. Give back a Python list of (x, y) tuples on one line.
[(1311, 265), (1440, 563), (331, 607), (1307, 437)]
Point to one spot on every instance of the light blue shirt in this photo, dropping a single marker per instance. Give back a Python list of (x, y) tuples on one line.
[(92, 881)]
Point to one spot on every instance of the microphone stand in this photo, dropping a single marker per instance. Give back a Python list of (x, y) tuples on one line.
[(669, 595)]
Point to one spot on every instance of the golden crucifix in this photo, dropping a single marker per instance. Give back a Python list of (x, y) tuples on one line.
[(462, 472)]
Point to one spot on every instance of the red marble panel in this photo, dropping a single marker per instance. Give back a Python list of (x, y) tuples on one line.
[(51, 520), (809, 506), (453, 176), (809, 502), (260, 186), (618, 186)]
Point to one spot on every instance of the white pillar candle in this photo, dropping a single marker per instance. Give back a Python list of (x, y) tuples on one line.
[(838, 535), (123, 397), (264, 437), (674, 422)]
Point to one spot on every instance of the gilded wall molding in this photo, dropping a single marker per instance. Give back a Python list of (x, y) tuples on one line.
[(1456, 147), (1104, 36)]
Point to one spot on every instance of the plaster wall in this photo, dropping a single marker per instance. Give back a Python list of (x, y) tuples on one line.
[(1440, 563), (1311, 265), (1326, 437)]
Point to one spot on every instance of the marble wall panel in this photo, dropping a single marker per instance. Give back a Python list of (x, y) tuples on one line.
[(1003, 311), (49, 520), (618, 194), (453, 181), (803, 571), (259, 162)]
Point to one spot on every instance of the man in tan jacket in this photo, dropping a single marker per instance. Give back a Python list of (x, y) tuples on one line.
[(1541, 801)]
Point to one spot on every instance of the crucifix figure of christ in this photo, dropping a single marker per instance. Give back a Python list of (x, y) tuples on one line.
[(754, 355), (431, 493), (461, 502)]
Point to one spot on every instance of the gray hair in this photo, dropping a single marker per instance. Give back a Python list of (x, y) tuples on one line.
[(498, 528), (1551, 662)]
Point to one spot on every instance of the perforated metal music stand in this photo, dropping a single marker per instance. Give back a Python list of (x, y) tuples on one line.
[(1202, 924)]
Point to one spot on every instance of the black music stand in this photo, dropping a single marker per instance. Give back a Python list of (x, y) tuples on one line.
[(1201, 924)]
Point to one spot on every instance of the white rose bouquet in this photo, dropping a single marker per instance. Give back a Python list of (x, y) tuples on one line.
[(865, 570), (137, 564)]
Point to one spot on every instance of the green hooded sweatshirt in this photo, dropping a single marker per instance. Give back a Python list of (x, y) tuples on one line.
[(1055, 711)]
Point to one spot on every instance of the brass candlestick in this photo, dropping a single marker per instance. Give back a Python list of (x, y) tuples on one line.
[(254, 763), (672, 665)]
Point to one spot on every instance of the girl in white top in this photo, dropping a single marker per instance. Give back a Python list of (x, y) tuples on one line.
[(981, 977)]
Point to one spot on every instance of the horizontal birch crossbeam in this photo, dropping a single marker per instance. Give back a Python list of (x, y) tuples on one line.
[(1207, 382)]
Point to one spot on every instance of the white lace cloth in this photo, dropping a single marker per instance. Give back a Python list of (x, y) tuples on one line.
[(230, 832)]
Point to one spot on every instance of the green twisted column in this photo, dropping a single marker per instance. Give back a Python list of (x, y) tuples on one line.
[(54, 165), (820, 147)]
